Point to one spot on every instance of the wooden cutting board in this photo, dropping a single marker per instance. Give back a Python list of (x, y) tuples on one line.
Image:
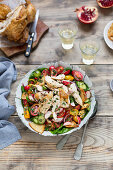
[(41, 29)]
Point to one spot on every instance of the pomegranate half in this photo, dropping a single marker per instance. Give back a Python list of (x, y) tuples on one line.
[(105, 3), (87, 14)]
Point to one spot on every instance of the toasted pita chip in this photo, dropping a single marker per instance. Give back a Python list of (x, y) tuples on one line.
[(37, 128), (24, 95)]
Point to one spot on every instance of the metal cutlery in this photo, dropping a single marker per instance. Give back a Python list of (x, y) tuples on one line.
[(32, 34)]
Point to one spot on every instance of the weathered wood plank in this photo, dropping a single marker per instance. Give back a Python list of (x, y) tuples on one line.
[(38, 152), (54, 13), (100, 76)]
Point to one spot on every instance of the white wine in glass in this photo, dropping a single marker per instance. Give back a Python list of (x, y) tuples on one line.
[(67, 34), (89, 48)]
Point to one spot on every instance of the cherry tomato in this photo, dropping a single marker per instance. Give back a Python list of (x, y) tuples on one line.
[(61, 114), (51, 67), (69, 77), (79, 120), (66, 72), (53, 72), (68, 118), (26, 88), (66, 83), (34, 110), (77, 75), (32, 95), (75, 119), (67, 111), (45, 72), (74, 112), (77, 107), (24, 101), (26, 113), (31, 82), (60, 69)]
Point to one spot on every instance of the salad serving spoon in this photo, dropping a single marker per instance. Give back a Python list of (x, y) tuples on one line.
[(63, 141), (111, 84), (79, 149)]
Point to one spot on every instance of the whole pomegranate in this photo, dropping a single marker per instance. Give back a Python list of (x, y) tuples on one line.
[(87, 14)]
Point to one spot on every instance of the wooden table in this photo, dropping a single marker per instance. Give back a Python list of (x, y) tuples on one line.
[(37, 152)]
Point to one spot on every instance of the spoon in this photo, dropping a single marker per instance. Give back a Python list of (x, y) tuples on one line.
[(111, 84), (79, 149), (63, 141)]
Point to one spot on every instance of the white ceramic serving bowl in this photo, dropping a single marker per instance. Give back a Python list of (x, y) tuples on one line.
[(24, 81)]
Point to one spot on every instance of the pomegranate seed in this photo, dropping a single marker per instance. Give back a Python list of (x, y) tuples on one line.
[(87, 14), (106, 3)]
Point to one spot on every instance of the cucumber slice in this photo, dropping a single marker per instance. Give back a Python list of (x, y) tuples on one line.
[(89, 106), (40, 119), (81, 85), (35, 119), (37, 73), (44, 87), (87, 101)]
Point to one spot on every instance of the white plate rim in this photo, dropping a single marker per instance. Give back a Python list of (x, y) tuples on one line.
[(107, 40)]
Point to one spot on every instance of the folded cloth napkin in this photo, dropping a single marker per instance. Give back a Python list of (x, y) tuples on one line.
[(8, 132)]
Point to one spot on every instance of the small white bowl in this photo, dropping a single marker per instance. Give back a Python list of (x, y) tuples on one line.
[(107, 40)]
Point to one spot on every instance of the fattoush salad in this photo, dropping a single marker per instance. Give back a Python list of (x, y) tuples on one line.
[(56, 99)]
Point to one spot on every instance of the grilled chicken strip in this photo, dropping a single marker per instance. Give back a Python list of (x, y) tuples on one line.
[(56, 105), (45, 106), (64, 98), (75, 94), (52, 84)]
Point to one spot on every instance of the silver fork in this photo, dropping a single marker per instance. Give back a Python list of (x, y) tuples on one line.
[(62, 142), (79, 149)]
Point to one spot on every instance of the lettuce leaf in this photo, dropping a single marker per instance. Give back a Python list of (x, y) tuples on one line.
[(61, 130)]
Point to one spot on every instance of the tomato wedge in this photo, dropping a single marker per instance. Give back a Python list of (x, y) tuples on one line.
[(77, 75), (51, 67), (77, 107), (66, 72), (68, 118), (24, 101), (53, 72), (66, 83), (26, 88), (67, 111), (61, 114), (60, 69), (45, 72), (34, 110)]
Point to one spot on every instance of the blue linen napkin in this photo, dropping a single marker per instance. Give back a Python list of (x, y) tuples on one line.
[(8, 132)]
